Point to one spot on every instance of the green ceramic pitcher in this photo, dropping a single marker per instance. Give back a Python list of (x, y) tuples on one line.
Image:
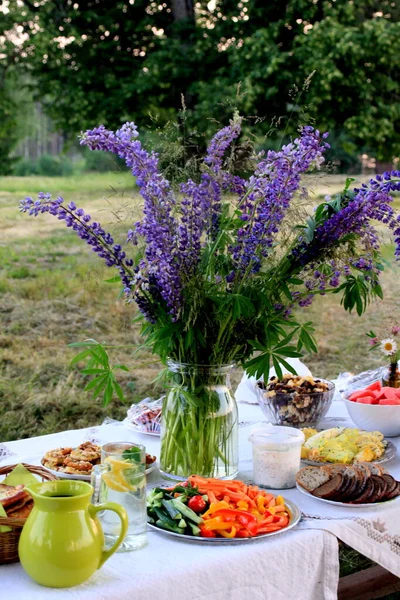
[(62, 543)]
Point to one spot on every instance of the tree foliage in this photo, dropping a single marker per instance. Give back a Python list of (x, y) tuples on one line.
[(99, 61)]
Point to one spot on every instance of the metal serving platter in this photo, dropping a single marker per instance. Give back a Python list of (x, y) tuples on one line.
[(295, 518)]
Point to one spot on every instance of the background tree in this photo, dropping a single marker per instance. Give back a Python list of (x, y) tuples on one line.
[(99, 61)]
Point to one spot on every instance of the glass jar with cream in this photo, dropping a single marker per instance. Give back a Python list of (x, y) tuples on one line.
[(276, 456)]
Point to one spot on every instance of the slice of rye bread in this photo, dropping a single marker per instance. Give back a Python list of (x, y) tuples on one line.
[(342, 492), (395, 492), (391, 482), (311, 478), (353, 486), (381, 487), (330, 489), (364, 497)]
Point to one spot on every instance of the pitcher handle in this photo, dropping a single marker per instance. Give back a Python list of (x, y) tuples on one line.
[(121, 512)]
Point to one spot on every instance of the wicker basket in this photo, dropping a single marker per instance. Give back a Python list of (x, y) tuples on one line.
[(9, 539)]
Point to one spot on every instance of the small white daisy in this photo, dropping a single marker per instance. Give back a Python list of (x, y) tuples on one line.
[(388, 347)]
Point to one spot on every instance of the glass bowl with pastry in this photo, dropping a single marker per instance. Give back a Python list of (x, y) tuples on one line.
[(294, 400)]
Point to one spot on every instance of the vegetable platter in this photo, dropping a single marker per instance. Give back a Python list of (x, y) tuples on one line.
[(214, 510)]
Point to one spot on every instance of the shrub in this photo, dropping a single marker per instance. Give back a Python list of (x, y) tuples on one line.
[(50, 166), (101, 162)]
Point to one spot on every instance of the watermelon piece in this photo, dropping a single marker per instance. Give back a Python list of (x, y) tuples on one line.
[(398, 393), (389, 401), (379, 395), (389, 392), (374, 387), (367, 400), (360, 394)]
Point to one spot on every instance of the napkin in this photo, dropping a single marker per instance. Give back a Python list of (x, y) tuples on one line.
[(20, 476)]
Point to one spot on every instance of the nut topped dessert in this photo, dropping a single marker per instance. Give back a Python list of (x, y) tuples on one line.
[(294, 400)]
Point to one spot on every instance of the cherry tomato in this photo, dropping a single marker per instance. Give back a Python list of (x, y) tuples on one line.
[(197, 504)]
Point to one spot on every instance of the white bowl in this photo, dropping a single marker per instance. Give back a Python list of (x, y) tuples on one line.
[(374, 417)]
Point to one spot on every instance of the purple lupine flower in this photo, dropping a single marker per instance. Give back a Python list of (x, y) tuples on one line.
[(270, 191), (220, 143), (92, 233), (201, 205), (158, 226), (371, 202)]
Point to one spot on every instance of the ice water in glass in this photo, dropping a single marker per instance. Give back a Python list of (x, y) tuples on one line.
[(122, 480)]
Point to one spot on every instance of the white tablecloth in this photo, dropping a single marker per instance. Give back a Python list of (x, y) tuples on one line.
[(302, 563)]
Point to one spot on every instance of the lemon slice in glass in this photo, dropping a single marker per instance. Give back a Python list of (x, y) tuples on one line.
[(119, 475)]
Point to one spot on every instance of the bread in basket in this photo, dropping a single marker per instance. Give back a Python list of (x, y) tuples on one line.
[(9, 539)]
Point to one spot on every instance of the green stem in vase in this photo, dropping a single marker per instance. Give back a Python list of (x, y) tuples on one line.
[(199, 432)]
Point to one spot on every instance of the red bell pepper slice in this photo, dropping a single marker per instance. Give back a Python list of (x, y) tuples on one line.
[(207, 533)]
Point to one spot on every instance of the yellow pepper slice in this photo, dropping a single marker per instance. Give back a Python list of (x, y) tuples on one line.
[(228, 534), (280, 500), (214, 507), (216, 525)]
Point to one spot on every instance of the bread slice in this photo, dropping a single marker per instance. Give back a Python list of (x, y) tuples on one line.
[(375, 469), (380, 488), (391, 484), (11, 495), (395, 492), (366, 495), (352, 486), (311, 478), (365, 467), (329, 489), (22, 512)]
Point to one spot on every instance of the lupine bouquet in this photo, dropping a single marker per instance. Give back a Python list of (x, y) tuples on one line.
[(219, 269)]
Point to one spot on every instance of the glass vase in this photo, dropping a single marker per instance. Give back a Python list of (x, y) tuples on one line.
[(392, 376), (199, 427)]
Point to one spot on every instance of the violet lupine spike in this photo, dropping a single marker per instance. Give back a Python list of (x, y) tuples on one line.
[(216, 180), (158, 226), (220, 143), (371, 202), (101, 242), (201, 206), (270, 191)]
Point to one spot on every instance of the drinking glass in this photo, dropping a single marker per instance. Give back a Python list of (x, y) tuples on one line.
[(121, 478)]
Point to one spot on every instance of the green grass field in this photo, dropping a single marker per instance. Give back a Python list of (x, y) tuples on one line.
[(52, 292)]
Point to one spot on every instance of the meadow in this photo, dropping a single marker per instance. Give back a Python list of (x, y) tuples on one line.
[(53, 292)]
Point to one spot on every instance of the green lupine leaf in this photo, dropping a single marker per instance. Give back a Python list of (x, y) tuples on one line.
[(289, 351), (287, 366), (118, 391), (79, 357), (277, 367), (88, 371), (97, 391), (95, 382), (108, 393)]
